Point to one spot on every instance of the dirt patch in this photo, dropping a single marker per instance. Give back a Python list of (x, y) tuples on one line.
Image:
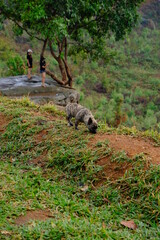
[(3, 122), (41, 136), (131, 145), (112, 170), (40, 161), (41, 215)]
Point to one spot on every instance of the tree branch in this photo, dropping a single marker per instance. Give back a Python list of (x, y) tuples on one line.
[(59, 46), (70, 79), (44, 46), (30, 34), (65, 46), (24, 29), (52, 52), (52, 75)]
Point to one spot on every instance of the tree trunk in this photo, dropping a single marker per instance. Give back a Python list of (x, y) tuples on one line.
[(62, 70), (70, 78), (44, 46), (62, 63)]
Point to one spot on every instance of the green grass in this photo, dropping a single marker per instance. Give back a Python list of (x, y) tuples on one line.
[(57, 185)]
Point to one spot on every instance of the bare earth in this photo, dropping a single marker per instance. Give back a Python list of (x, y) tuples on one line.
[(41, 215), (131, 145), (3, 122)]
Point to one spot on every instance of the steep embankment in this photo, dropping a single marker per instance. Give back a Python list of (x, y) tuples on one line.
[(58, 183)]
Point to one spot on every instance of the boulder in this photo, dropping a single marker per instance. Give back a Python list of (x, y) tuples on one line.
[(20, 86)]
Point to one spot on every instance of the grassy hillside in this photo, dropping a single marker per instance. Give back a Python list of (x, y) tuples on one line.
[(58, 183)]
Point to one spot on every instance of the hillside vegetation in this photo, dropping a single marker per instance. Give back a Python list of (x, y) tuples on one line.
[(122, 88), (58, 183), (128, 85)]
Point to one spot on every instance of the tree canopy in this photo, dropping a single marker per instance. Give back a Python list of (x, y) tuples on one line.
[(86, 23)]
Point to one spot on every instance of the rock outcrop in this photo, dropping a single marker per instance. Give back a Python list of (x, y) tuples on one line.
[(20, 86)]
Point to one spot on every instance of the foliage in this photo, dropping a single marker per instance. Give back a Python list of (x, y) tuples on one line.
[(70, 18), (11, 62), (84, 23), (16, 66), (5, 48)]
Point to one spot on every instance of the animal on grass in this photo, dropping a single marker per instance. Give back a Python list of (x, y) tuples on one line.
[(81, 114)]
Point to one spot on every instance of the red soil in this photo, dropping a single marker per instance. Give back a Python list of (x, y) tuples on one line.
[(3, 122), (40, 215), (132, 146)]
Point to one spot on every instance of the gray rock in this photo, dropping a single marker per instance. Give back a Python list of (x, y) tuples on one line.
[(20, 86)]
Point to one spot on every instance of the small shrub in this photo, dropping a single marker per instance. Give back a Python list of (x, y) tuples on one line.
[(94, 65), (150, 120), (79, 80), (16, 66)]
